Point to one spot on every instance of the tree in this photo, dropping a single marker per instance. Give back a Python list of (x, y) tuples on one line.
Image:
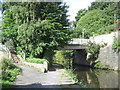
[(80, 13), (98, 20), (95, 22), (118, 15), (35, 27)]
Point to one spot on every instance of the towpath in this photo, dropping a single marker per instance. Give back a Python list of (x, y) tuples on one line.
[(31, 78)]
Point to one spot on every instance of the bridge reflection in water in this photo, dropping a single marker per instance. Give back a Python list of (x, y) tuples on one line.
[(94, 78)]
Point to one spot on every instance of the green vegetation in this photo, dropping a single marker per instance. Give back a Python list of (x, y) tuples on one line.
[(93, 49), (99, 65), (80, 13), (116, 44), (97, 20), (36, 60), (9, 72), (64, 57), (35, 27), (70, 71)]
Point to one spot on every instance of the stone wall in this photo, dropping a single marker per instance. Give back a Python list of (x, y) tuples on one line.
[(107, 39), (40, 67), (107, 55), (108, 79)]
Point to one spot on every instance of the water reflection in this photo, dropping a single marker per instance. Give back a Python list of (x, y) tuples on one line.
[(97, 78)]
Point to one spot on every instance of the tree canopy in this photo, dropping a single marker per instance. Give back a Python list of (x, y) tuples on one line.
[(97, 20), (35, 26)]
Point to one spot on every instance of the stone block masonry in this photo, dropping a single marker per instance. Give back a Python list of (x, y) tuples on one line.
[(107, 55)]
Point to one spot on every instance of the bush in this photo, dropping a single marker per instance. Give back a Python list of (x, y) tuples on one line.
[(9, 72), (7, 64), (93, 49), (36, 60), (116, 44)]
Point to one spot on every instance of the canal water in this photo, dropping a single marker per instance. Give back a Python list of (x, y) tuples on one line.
[(94, 78)]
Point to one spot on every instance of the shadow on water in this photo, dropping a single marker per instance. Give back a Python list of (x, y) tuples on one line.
[(95, 78)]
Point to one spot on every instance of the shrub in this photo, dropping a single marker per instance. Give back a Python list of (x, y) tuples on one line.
[(93, 49), (7, 64), (9, 72), (36, 60), (116, 44)]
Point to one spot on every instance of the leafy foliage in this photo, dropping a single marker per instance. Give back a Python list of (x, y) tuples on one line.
[(93, 49), (99, 65), (102, 5), (94, 23), (36, 60), (97, 20), (7, 64), (80, 13), (35, 27), (9, 72), (116, 44)]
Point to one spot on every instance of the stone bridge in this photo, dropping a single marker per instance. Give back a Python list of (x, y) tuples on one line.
[(76, 44)]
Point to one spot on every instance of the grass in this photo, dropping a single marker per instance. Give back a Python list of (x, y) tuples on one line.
[(9, 72), (36, 60)]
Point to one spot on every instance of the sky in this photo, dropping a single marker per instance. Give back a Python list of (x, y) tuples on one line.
[(75, 6)]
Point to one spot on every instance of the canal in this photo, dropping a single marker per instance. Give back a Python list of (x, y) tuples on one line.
[(95, 78)]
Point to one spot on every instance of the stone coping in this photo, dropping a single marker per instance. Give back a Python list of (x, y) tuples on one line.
[(40, 67)]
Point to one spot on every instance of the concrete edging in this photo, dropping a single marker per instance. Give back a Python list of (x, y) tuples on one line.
[(40, 67)]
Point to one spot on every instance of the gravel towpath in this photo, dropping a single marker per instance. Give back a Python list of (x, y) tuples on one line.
[(31, 78)]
